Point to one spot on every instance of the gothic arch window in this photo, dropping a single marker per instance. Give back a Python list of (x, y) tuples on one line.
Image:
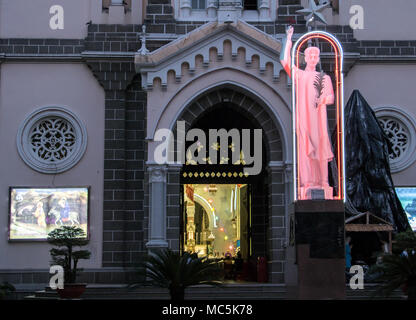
[(401, 131), (51, 140)]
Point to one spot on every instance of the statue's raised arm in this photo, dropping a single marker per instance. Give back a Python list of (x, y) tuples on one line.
[(285, 58)]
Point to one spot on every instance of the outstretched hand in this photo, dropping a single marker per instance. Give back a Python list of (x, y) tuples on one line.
[(289, 32)]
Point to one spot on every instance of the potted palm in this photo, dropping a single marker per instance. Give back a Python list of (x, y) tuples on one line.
[(169, 269), (398, 270), (65, 239)]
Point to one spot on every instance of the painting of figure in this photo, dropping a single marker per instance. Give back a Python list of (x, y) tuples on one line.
[(34, 212)]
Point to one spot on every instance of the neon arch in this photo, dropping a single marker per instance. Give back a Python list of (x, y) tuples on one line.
[(339, 102)]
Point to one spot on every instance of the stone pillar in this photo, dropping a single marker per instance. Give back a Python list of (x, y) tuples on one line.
[(173, 198), (320, 249), (277, 222), (186, 8), (157, 212), (264, 9), (212, 9)]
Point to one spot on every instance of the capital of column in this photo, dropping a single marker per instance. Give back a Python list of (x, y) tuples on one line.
[(157, 173)]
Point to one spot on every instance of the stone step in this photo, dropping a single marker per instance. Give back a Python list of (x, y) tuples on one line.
[(231, 292), (370, 293)]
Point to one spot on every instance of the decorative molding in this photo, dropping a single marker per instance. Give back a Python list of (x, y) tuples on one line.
[(157, 173), (151, 68), (401, 129), (51, 140), (267, 11)]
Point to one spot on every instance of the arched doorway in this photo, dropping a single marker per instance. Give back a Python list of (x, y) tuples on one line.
[(266, 193), (227, 192)]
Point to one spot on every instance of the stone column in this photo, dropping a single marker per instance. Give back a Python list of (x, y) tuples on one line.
[(277, 222), (157, 210), (212, 9), (186, 8), (264, 9)]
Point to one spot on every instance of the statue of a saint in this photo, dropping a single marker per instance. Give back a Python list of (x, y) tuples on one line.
[(313, 93)]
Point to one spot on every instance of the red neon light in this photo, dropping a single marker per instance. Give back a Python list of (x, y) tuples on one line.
[(339, 128)]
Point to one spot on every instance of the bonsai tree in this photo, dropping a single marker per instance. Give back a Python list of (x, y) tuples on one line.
[(168, 269), (65, 239)]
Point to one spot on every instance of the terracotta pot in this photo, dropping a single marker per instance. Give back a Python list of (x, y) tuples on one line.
[(72, 290)]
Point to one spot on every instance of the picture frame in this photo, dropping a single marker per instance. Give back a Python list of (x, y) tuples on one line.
[(407, 197), (36, 211)]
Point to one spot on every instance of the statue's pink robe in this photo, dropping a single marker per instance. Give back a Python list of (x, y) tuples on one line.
[(312, 128)]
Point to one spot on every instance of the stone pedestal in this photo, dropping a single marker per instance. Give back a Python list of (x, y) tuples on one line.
[(320, 248)]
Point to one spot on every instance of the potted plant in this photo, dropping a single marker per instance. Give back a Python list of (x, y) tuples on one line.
[(398, 270), (169, 269), (65, 239)]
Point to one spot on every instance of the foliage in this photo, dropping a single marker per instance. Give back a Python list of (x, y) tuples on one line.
[(404, 241), (65, 239), (5, 289), (397, 271), (319, 85), (168, 269)]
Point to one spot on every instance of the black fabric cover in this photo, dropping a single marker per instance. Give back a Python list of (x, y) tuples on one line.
[(369, 183)]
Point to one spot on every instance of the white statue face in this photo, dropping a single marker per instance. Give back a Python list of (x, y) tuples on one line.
[(312, 56)]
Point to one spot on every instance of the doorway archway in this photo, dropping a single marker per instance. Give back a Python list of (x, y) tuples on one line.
[(269, 189)]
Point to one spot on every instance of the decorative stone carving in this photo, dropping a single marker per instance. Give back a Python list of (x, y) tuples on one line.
[(401, 131), (157, 174), (151, 71), (51, 140), (225, 10)]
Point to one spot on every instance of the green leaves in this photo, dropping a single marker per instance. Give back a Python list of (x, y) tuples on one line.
[(66, 235), (319, 85), (168, 269), (396, 271), (404, 241), (65, 238)]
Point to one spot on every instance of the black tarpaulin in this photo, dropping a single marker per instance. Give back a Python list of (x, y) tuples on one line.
[(369, 184)]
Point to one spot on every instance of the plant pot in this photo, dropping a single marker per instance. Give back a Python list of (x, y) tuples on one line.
[(404, 288), (72, 290)]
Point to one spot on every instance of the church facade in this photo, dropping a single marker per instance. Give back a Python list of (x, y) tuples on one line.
[(82, 101)]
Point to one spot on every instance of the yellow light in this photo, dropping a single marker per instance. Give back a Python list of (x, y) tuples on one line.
[(225, 237)]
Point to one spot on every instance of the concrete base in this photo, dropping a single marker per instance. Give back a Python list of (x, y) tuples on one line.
[(320, 251)]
